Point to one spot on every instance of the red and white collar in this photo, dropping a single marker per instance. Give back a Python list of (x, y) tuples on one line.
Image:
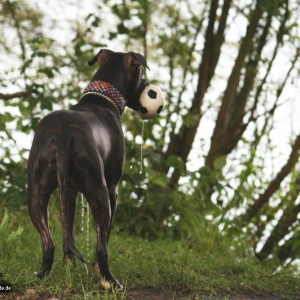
[(107, 91)]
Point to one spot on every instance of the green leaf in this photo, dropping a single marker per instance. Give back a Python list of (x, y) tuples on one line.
[(16, 233), (46, 104), (6, 117), (175, 162), (219, 163), (157, 178), (47, 71), (32, 101), (5, 218), (25, 111), (39, 54)]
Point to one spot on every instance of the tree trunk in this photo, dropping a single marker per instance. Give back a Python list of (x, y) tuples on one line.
[(181, 143)]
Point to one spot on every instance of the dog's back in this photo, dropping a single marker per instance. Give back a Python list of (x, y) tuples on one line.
[(79, 137)]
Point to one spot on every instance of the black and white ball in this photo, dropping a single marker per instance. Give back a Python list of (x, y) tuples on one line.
[(152, 102)]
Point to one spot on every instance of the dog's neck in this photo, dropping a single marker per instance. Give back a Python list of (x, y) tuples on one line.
[(107, 91)]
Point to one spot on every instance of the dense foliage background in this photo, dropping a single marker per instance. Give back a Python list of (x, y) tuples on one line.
[(225, 152)]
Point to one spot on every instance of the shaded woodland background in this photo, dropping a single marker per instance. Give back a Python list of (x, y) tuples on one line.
[(225, 151)]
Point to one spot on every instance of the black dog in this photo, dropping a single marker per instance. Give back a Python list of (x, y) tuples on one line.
[(82, 150)]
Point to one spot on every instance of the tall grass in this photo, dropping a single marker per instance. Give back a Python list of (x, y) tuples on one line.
[(202, 263)]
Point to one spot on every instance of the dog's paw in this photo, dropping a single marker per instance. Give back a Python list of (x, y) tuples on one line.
[(106, 284), (69, 262), (120, 287), (42, 275), (112, 286), (96, 269)]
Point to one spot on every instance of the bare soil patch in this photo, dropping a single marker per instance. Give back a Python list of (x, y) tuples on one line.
[(150, 293)]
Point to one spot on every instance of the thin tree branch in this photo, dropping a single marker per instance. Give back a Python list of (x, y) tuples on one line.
[(275, 183), (18, 28), (290, 249), (185, 72), (223, 116), (232, 84), (15, 95), (279, 37), (281, 229)]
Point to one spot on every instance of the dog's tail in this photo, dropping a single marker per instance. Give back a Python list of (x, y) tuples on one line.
[(62, 148)]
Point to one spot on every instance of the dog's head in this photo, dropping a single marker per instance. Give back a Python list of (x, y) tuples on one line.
[(124, 71)]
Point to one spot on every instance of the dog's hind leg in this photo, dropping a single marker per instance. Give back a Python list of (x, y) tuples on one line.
[(67, 209), (70, 216), (67, 197), (38, 199), (113, 197)]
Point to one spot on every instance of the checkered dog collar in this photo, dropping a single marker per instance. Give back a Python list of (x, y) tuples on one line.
[(107, 91)]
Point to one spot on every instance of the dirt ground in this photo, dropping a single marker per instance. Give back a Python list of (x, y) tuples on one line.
[(149, 293)]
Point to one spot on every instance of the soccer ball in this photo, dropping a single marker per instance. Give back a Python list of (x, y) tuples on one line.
[(152, 102)]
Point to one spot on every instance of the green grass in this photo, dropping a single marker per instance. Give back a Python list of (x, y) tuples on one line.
[(208, 267)]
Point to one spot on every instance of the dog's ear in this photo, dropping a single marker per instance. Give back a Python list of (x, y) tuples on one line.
[(101, 57), (136, 59)]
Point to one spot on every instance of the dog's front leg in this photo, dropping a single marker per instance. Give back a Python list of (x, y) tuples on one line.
[(101, 209)]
